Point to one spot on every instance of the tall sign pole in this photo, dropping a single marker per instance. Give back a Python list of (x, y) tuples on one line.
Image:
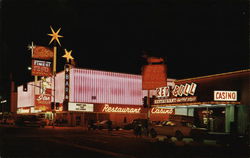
[(55, 37), (153, 76), (32, 47), (67, 68)]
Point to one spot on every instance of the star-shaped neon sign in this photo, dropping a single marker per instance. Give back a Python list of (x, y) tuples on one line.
[(31, 47), (55, 35), (67, 55)]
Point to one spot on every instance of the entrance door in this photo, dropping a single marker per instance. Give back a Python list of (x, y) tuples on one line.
[(78, 120)]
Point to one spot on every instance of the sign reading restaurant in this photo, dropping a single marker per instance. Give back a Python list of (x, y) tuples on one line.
[(119, 109), (180, 93)]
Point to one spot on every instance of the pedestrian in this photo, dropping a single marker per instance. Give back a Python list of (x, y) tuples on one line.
[(109, 123), (90, 124), (125, 120), (138, 130)]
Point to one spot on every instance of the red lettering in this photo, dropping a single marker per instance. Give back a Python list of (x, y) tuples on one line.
[(162, 92), (158, 90), (175, 91), (167, 91), (186, 89), (192, 89), (181, 89), (233, 96)]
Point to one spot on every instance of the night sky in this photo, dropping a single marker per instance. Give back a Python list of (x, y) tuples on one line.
[(195, 37)]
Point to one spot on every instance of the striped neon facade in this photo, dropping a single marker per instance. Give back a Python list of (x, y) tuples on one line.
[(59, 87), (93, 86), (25, 99)]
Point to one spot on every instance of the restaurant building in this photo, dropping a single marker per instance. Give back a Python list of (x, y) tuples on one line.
[(218, 102), (82, 95)]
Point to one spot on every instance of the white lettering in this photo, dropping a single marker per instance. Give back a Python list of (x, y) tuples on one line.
[(43, 98), (107, 108), (161, 111)]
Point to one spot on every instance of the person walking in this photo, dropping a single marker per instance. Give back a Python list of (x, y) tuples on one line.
[(138, 129), (109, 123)]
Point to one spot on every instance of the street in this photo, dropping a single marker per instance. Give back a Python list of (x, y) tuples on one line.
[(74, 142)]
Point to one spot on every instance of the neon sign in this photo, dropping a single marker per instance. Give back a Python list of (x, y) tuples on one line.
[(177, 91), (225, 95), (186, 89), (118, 109), (41, 68), (67, 78), (162, 111)]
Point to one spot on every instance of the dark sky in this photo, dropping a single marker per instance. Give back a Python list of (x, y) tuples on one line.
[(196, 37)]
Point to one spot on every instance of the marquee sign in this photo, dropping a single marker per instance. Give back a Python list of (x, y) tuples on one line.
[(180, 93), (120, 109), (177, 91), (41, 68), (81, 107), (225, 95)]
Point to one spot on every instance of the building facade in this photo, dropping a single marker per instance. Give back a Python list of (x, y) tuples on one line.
[(82, 95), (218, 102)]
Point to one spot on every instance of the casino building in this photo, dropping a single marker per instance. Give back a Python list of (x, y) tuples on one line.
[(82, 95), (218, 102)]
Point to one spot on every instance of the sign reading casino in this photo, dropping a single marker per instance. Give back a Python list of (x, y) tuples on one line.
[(225, 95)]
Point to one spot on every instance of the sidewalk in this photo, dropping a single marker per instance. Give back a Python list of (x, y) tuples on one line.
[(66, 127)]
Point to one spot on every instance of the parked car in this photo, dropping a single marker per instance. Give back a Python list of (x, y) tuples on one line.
[(2, 121), (30, 121), (135, 122), (104, 125), (10, 121), (178, 129), (7, 121)]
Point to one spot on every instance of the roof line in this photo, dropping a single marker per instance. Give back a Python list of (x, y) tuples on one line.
[(107, 71), (215, 75)]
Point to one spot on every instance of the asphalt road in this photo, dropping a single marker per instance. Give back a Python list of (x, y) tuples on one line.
[(78, 142)]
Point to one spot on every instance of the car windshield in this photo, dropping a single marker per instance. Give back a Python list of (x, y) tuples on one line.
[(170, 123), (188, 124)]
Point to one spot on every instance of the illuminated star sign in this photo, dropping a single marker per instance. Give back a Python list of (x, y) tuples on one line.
[(67, 55), (31, 47), (55, 36)]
